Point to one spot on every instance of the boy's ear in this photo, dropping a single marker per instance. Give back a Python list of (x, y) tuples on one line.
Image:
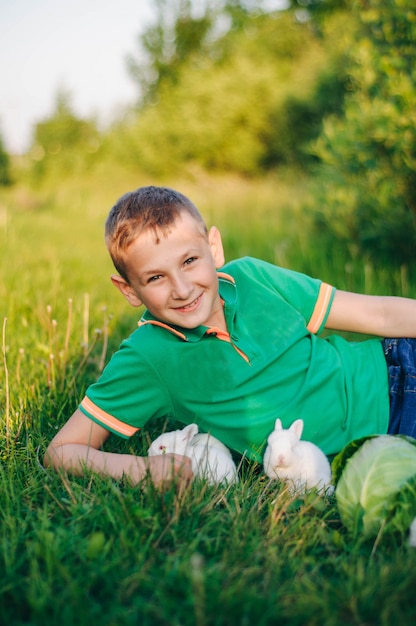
[(217, 250), (125, 289)]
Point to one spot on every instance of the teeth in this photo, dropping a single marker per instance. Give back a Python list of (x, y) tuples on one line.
[(190, 305)]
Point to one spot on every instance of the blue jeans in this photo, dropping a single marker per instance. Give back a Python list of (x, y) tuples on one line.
[(401, 364)]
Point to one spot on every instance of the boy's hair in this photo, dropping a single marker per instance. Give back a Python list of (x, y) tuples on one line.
[(155, 208)]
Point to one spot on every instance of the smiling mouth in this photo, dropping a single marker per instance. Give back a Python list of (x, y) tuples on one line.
[(189, 307)]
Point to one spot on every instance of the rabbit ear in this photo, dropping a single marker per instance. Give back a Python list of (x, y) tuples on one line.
[(278, 424), (297, 428), (189, 431)]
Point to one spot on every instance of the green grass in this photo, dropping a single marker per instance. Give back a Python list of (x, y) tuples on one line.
[(91, 550), (88, 549)]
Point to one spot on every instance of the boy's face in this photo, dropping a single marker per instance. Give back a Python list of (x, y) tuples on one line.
[(175, 276)]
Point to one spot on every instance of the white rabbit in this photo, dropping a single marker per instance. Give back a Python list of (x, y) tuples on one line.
[(300, 463), (210, 458)]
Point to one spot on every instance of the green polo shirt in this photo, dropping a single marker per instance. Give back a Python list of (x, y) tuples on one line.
[(272, 363)]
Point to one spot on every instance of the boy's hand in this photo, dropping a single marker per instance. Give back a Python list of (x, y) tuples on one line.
[(164, 468)]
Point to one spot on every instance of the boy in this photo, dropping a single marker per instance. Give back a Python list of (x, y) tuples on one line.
[(232, 347)]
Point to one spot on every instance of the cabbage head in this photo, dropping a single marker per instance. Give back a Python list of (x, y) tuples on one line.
[(375, 480)]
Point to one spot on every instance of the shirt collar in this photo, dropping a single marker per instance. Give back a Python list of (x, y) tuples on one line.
[(228, 293)]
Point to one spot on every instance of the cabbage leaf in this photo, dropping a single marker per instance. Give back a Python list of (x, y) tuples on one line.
[(376, 484)]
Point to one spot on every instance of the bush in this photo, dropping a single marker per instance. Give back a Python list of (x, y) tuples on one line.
[(369, 153)]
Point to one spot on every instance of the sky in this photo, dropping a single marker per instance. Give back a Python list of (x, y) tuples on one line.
[(79, 46)]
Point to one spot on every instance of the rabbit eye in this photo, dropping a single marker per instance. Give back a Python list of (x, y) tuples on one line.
[(162, 448)]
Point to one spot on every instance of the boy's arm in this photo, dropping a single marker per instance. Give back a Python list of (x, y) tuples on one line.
[(383, 316), (77, 446)]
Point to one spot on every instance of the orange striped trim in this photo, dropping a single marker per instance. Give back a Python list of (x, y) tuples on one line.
[(162, 325), (108, 420), (241, 353), (226, 276), (221, 334), (224, 336), (321, 308)]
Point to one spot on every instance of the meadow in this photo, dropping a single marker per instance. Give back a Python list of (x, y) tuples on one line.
[(90, 549)]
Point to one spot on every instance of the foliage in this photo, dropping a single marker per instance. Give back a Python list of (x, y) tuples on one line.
[(223, 85), (369, 161), (174, 38), (5, 175), (250, 101), (63, 143), (183, 33)]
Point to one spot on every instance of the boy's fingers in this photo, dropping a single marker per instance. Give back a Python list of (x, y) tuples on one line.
[(164, 468), (181, 466)]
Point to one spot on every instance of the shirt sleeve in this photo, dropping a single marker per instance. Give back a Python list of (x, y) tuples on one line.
[(322, 308), (311, 297), (128, 393)]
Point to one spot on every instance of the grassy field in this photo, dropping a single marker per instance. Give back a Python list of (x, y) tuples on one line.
[(85, 550)]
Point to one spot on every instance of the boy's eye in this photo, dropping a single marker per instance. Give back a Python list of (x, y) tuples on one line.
[(152, 279), (190, 260)]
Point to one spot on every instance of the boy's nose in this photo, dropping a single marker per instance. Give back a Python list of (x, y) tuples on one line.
[(181, 288)]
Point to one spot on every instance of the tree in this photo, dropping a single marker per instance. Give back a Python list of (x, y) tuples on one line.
[(369, 152), (63, 143), (251, 103), (176, 36), (5, 176)]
